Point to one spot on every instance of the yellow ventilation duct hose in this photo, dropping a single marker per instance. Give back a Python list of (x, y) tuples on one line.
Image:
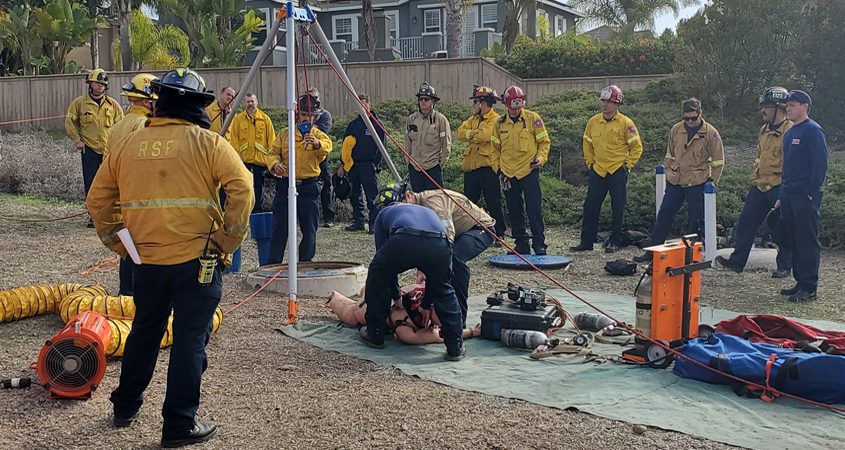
[(72, 299)]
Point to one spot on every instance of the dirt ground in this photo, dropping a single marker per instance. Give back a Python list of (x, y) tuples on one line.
[(265, 390)]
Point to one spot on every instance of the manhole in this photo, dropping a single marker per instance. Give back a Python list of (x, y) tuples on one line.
[(315, 279)]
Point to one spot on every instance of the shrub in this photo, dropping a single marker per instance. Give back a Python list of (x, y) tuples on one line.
[(577, 56), (34, 163)]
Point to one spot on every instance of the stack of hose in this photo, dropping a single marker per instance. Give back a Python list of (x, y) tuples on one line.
[(72, 299)]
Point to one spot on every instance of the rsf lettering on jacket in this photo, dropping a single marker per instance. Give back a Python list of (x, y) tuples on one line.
[(156, 149)]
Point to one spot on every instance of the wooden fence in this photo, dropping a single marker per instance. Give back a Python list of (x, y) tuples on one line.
[(24, 98)]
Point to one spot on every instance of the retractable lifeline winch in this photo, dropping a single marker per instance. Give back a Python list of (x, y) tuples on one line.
[(668, 301)]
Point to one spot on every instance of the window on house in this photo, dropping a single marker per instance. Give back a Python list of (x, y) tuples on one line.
[(431, 21), (345, 28), (470, 19), (489, 17), (394, 23), (260, 36), (560, 25)]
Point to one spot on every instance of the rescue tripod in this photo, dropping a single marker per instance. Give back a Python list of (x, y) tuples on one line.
[(668, 302), (304, 18)]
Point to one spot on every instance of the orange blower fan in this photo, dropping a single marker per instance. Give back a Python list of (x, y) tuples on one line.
[(73, 362)]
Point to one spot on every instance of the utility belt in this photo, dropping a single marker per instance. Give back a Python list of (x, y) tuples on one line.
[(421, 233), (299, 182)]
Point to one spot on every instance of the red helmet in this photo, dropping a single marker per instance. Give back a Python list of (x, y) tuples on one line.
[(613, 94), (513, 98)]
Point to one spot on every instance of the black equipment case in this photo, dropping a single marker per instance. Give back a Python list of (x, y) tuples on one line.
[(497, 317)]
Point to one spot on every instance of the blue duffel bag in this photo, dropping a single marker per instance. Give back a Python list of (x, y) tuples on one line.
[(814, 376)]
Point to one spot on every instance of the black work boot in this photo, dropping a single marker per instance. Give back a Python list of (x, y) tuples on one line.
[(802, 297), (790, 291), (200, 432)]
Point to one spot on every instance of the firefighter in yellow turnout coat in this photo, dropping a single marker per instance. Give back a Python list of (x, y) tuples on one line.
[(161, 184), (523, 143), (252, 135), (312, 146), (481, 157)]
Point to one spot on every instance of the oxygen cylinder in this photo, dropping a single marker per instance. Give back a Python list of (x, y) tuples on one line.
[(588, 321), (643, 321), (527, 339)]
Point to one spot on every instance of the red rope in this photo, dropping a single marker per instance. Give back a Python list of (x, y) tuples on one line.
[(36, 119), (250, 296), (570, 292)]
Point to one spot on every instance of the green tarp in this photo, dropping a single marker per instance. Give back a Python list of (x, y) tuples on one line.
[(629, 393)]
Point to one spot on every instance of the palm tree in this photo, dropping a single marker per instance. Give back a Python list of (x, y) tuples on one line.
[(153, 46), (369, 28), (454, 21), (64, 26), (627, 16), (18, 33), (515, 9)]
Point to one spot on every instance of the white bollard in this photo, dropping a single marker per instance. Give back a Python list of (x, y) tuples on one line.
[(709, 221), (659, 187)]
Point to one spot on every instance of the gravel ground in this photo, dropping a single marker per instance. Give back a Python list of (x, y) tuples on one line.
[(266, 390)]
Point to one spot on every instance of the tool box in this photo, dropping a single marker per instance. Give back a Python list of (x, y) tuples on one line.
[(510, 316)]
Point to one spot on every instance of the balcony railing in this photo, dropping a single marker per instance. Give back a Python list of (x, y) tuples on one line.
[(409, 47)]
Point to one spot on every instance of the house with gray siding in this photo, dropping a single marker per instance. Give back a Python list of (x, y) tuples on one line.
[(417, 28)]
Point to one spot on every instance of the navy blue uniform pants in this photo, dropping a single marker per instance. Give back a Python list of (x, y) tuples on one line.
[(420, 182), (524, 197), (402, 252), (616, 184), (126, 272), (257, 186), (362, 180), (307, 214), (467, 246), (158, 291), (484, 181), (673, 199), (801, 225), (91, 161), (754, 211), (326, 192)]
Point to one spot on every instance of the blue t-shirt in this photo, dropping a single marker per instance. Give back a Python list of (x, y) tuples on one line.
[(804, 159), (405, 215)]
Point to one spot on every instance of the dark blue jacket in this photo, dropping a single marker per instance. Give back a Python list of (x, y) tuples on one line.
[(405, 215), (804, 159), (324, 120), (365, 149)]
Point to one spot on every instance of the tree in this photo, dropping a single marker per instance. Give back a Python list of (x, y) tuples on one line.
[(369, 28), (515, 9), (64, 26), (454, 23), (627, 16), (820, 59), (207, 21), (228, 51), (153, 47), (18, 34), (730, 72)]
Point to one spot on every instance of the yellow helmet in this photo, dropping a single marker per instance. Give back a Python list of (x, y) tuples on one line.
[(140, 87), (99, 76)]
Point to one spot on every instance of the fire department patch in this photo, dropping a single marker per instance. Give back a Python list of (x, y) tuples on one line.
[(796, 141), (632, 130), (538, 123)]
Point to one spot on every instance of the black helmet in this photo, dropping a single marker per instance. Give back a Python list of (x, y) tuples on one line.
[(392, 193), (774, 96), (185, 83), (484, 93), (427, 90), (307, 103)]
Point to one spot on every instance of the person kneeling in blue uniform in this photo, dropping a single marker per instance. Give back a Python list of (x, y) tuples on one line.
[(407, 237)]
